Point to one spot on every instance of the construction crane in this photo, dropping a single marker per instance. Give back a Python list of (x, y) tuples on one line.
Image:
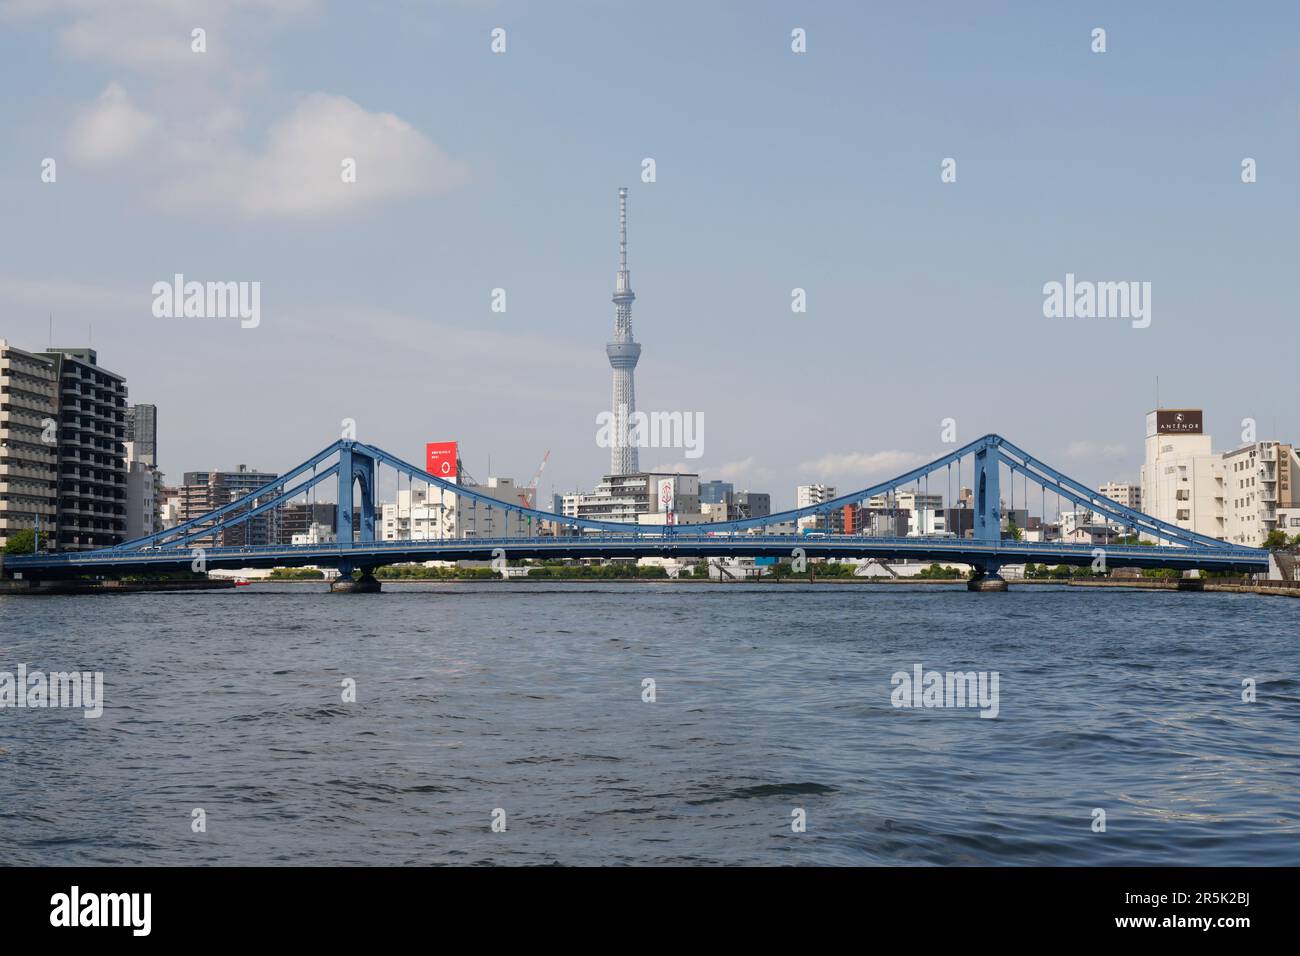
[(528, 495)]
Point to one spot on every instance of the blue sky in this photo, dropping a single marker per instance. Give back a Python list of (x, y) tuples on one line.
[(774, 171)]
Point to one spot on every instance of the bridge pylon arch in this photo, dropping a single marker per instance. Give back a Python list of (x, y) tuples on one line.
[(356, 467)]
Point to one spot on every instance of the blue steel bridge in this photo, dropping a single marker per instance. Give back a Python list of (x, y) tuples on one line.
[(995, 469)]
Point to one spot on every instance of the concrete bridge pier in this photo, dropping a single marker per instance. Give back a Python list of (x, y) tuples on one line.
[(986, 579), (366, 584)]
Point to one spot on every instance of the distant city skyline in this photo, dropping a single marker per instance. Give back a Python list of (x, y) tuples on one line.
[(774, 171)]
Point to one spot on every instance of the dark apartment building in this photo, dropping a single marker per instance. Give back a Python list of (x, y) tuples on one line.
[(29, 469), (92, 466), (298, 519), (751, 504), (203, 491)]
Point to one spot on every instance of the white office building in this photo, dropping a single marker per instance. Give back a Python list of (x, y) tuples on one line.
[(639, 498), (806, 496), (925, 514), (169, 511), (316, 533), (1288, 520), (1069, 521), (423, 513), (142, 483), (1123, 493), (1182, 479), (1260, 492)]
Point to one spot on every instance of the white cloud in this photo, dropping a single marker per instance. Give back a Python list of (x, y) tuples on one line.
[(853, 466), (111, 129), (299, 172), (745, 474), (205, 158), (150, 34), (734, 470)]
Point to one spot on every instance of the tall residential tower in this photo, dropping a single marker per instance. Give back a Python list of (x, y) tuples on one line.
[(29, 464), (92, 458), (623, 355)]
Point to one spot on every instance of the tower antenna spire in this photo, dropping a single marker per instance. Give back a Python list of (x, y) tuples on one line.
[(622, 229)]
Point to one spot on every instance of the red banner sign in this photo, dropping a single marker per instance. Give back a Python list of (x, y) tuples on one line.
[(440, 459)]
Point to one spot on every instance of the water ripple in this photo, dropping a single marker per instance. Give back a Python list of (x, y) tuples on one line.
[(474, 700)]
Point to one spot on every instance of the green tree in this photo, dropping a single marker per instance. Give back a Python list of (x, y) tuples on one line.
[(1170, 574), (304, 574), (24, 542), (1013, 532), (1276, 540), (940, 572)]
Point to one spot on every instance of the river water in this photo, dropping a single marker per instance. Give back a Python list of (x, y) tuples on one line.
[(773, 704)]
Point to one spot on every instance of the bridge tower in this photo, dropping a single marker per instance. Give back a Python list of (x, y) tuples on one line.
[(623, 355), (988, 516), (356, 467), (988, 495)]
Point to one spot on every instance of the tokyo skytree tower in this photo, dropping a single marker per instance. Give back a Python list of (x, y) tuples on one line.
[(623, 355)]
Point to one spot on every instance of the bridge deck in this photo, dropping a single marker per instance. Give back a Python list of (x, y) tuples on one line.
[(679, 545)]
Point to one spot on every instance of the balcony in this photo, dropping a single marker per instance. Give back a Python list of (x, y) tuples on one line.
[(30, 397), (10, 419), (23, 469)]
